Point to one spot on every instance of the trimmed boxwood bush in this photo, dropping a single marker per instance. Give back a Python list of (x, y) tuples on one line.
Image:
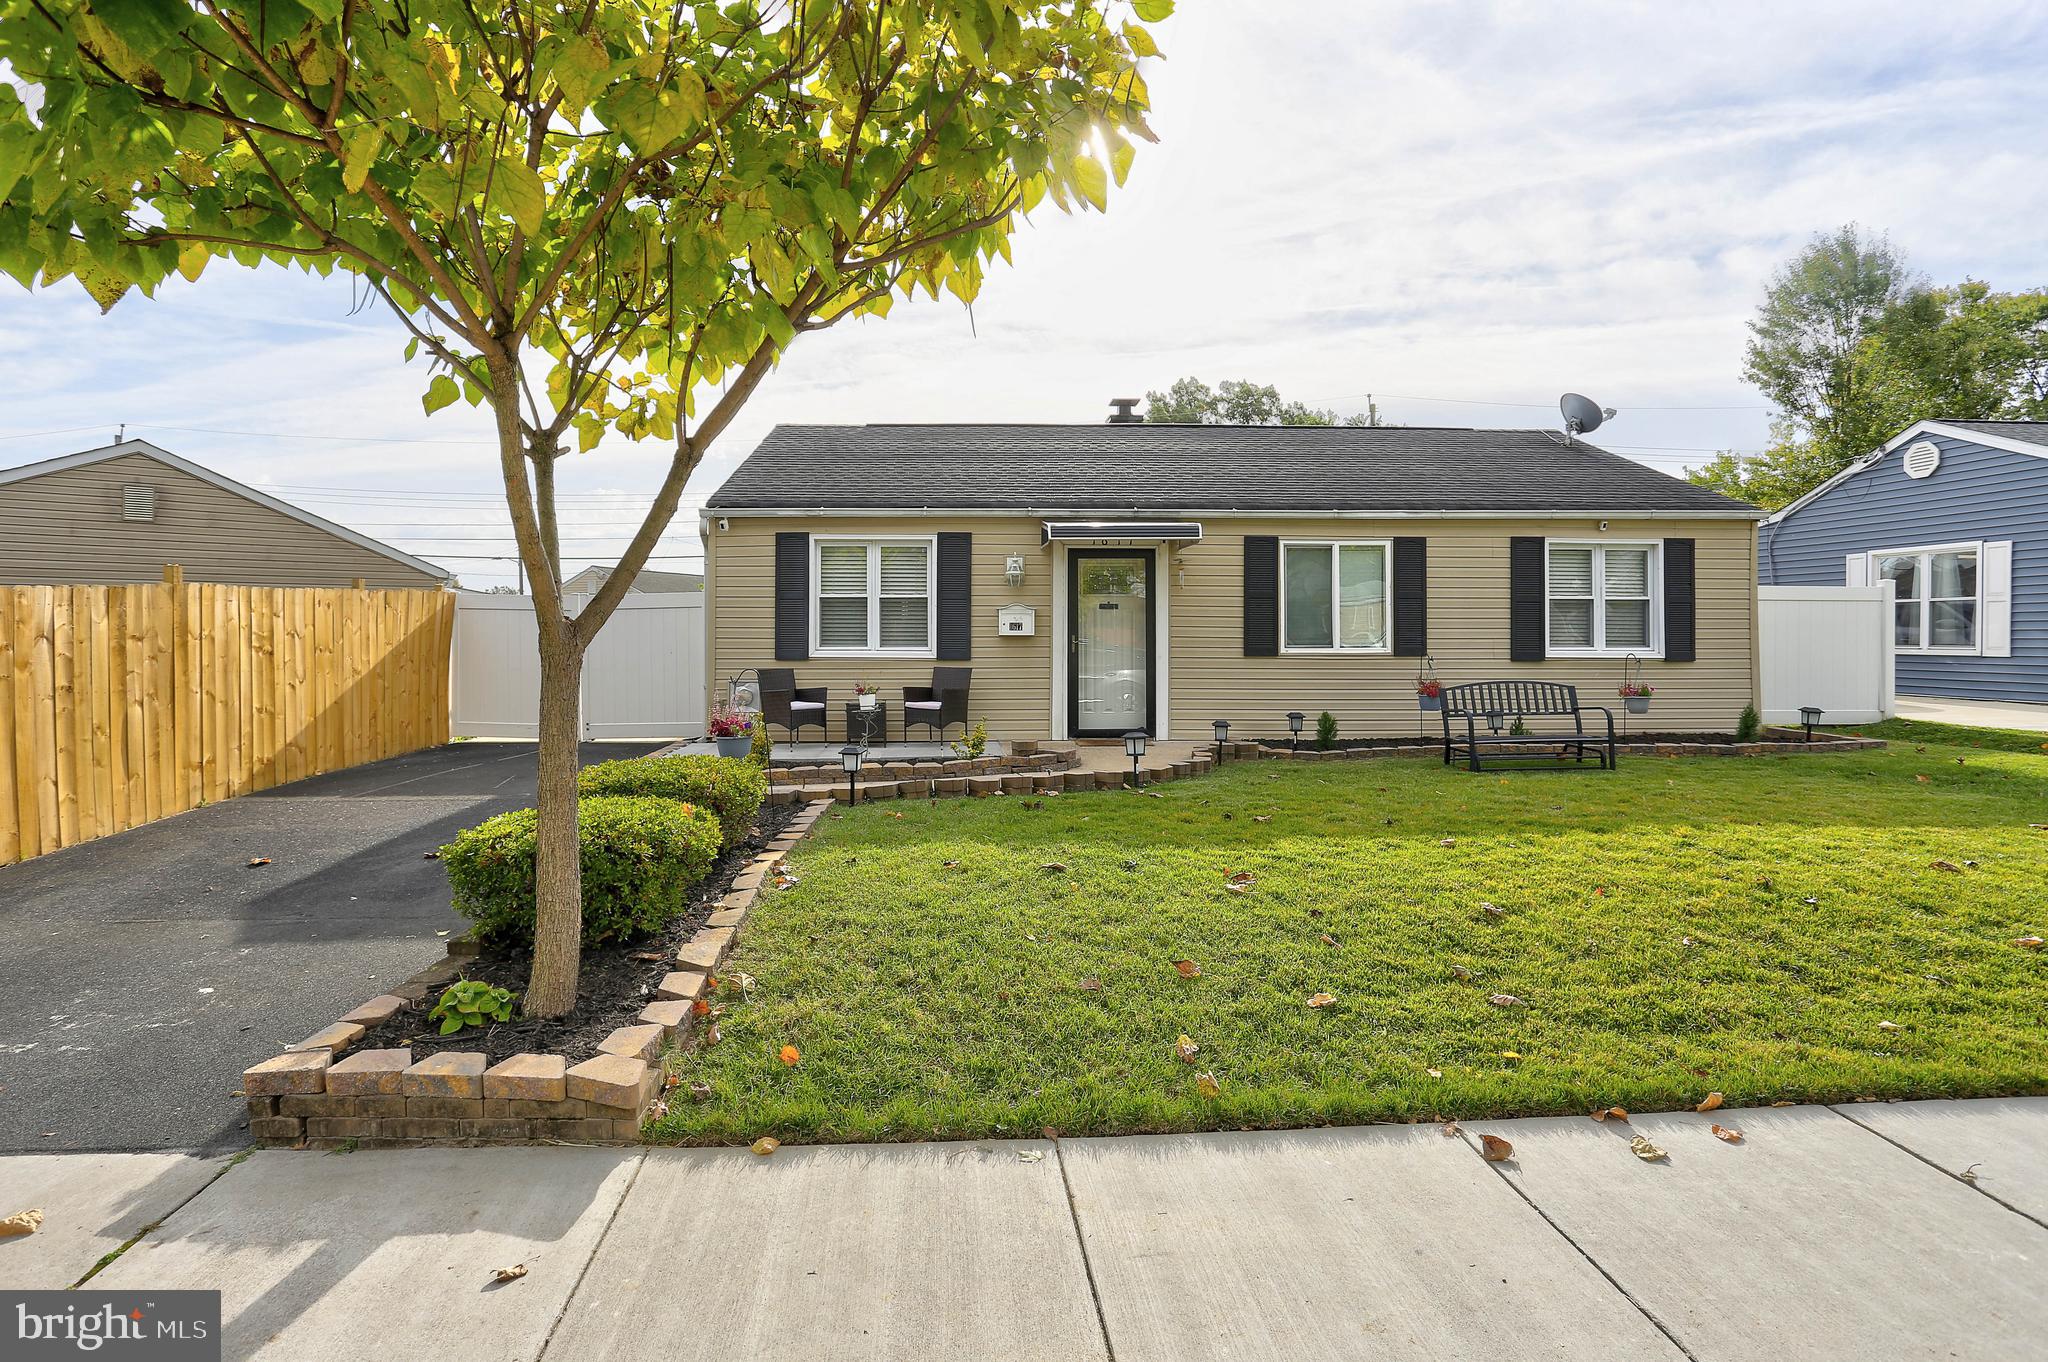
[(730, 787), (640, 857)]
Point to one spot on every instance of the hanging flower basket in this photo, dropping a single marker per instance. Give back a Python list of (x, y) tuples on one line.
[(732, 730), (1635, 697), (1429, 695)]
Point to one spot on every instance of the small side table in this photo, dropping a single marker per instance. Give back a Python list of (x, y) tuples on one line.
[(867, 727)]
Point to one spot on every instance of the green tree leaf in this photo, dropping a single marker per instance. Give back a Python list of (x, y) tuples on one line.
[(359, 151), (520, 192), (441, 392)]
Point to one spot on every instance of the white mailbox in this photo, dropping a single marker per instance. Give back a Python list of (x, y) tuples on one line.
[(1016, 620)]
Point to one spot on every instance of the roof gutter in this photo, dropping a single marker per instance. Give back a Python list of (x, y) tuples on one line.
[(1240, 513)]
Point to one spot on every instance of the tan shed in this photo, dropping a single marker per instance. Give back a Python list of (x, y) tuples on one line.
[(121, 513)]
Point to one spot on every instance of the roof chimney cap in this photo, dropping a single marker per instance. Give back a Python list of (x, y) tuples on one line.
[(1121, 413)]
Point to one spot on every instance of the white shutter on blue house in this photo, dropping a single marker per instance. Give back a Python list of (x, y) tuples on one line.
[(1994, 629)]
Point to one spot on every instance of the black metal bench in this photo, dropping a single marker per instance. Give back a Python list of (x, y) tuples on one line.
[(1498, 704)]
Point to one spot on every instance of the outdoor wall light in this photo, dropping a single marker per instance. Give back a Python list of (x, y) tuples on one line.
[(849, 762), (1134, 748), (1493, 719), (1013, 569), (1809, 715), (1222, 727), (1294, 718)]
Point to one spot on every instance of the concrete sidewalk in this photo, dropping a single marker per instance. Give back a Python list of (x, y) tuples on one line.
[(1827, 1233), (1975, 713)]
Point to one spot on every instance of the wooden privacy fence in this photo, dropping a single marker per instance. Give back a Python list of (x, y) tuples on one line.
[(123, 704)]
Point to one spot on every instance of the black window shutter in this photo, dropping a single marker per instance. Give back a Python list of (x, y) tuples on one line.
[(792, 597), (1525, 599), (1262, 595), (1678, 601), (956, 597), (1411, 597)]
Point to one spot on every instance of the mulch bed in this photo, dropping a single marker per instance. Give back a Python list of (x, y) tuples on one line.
[(613, 985)]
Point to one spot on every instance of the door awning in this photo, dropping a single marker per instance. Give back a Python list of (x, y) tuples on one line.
[(1121, 531)]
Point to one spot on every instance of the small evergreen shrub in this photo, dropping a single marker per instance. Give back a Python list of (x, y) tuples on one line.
[(640, 857), (733, 789), (974, 743), (1746, 727), (762, 746), (1326, 730)]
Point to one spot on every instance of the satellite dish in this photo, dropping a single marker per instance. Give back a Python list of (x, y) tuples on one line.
[(1582, 415)]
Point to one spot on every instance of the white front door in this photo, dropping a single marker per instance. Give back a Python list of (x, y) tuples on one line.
[(1110, 651)]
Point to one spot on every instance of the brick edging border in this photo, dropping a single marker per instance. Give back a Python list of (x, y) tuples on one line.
[(1787, 744), (325, 1092)]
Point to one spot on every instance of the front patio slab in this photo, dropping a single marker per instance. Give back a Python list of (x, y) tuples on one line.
[(387, 1254), (2003, 1142), (91, 1204), (909, 1253), (1387, 1242), (1810, 1239)]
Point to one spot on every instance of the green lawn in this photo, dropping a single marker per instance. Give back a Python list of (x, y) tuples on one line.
[(1676, 927), (1918, 732)]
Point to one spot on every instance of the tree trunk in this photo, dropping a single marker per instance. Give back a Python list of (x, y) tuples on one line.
[(558, 877)]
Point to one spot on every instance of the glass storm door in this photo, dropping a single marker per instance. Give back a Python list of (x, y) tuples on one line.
[(1110, 666)]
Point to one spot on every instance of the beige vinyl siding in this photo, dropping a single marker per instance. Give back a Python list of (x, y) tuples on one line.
[(1374, 696), (65, 527), (1209, 677), (1012, 686)]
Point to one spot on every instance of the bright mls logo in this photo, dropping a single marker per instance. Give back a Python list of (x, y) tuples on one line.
[(160, 1326)]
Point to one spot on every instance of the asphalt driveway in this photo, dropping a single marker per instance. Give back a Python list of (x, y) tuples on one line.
[(141, 973)]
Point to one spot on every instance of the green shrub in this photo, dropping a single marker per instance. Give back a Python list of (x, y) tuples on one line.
[(973, 743), (1747, 726), (471, 1002), (732, 788), (1326, 730), (760, 747), (640, 857)]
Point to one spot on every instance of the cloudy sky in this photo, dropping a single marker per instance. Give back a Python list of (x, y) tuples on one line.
[(1463, 209)]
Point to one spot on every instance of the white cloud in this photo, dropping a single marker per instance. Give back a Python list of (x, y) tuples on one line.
[(1476, 200)]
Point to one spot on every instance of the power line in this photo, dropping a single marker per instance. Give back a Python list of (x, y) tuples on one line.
[(1542, 406)]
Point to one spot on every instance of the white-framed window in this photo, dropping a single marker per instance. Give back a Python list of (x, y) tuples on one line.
[(1336, 595), (1602, 599), (873, 596), (1938, 596)]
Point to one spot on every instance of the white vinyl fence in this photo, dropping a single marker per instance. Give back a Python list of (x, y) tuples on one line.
[(1829, 646), (642, 678)]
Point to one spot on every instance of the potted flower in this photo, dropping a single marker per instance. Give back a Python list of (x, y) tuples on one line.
[(866, 694), (732, 730), (1635, 696), (1429, 694)]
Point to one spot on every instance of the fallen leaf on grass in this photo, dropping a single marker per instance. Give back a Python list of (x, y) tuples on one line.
[(1924, 780), (1185, 1048), (1188, 969), (1492, 910), (700, 1091), (1054, 867), (1327, 939), (1726, 1133), (1262, 818), (1461, 972), (1616, 1113), (1207, 1086), (1506, 1000), (790, 1056), (1241, 882), (1495, 1149), (1091, 985), (711, 1035), (1712, 1101), (765, 1146), (1448, 842), (2029, 943), (1644, 1150), (509, 1274), (1434, 1073), (700, 1008), (1889, 1026), (949, 865), (1950, 866), (1321, 999), (21, 1222)]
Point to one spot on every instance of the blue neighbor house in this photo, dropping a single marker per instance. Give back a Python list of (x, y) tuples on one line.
[(1955, 515)]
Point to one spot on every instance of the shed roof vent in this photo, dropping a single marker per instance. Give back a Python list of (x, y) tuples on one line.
[(1922, 458), (138, 501)]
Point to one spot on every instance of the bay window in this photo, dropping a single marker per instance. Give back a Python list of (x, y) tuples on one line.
[(1334, 596), (873, 595), (1601, 598)]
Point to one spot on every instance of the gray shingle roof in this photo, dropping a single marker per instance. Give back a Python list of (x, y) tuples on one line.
[(1140, 469), (2033, 432)]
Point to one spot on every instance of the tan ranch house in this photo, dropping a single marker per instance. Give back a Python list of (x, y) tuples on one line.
[(1104, 578)]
